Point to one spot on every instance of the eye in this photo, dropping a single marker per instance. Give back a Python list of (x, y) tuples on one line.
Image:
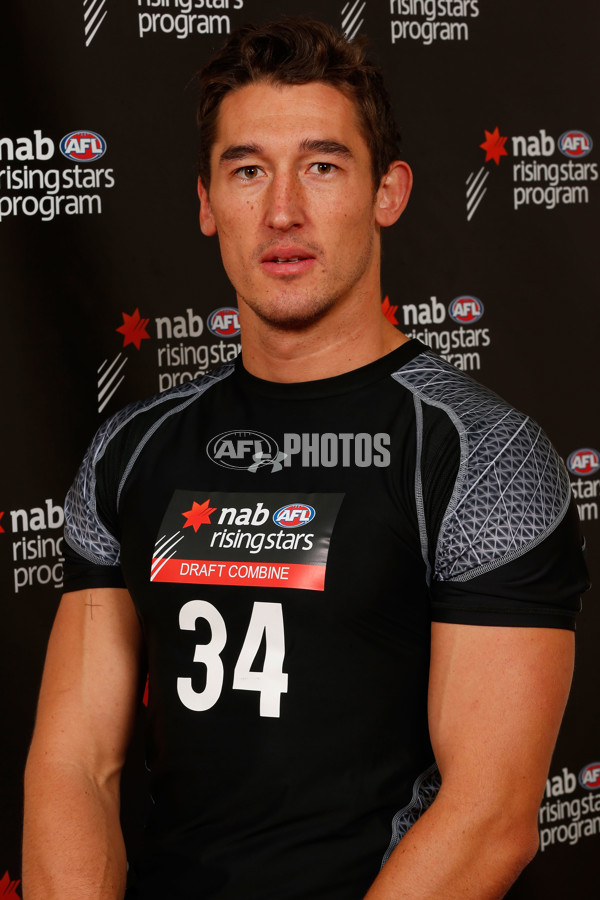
[(323, 168), (248, 173)]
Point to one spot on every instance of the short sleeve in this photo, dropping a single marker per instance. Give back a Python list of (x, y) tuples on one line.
[(92, 549), (92, 529), (80, 573), (508, 548), (541, 587)]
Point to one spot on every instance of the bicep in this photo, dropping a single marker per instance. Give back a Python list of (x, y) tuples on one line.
[(90, 683), (496, 699)]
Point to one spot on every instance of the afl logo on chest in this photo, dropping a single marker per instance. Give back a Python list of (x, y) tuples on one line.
[(294, 515), (83, 146), (585, 461), (589, 777), (575, 144), (465, 310), (242, 449), (224, 322)]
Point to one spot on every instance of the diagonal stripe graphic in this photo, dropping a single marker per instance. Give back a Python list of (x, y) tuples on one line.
[(350, 19), (477, 194), (347, 15), (473, 210), (113, 376), (475, 191), (101, 406), (479, 179), (93, 6), (354, 28), (93, 17), (164, 542), (107, 371), (160, 554), (109, 377), (163, 563)]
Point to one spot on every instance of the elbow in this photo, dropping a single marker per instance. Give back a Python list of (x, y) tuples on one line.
[(515, 846), (524, 845)]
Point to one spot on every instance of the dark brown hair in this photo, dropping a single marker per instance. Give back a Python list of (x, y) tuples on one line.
[(298, 51)]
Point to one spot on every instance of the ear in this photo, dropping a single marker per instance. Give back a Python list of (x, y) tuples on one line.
[(393, 193), (208, 225)]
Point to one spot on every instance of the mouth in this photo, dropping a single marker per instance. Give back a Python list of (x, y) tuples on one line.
[(287, 259), (281, 261)]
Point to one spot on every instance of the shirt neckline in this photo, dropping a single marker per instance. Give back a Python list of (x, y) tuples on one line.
[(336, 384)]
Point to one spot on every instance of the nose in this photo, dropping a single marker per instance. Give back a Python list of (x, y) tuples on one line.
[(285, 206)]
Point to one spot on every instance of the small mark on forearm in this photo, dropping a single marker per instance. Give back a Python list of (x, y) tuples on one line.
[(92, 606)]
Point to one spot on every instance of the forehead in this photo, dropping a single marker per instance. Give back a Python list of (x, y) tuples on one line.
[(284, 115)]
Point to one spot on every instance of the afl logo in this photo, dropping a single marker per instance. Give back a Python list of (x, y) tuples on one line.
[(575, 143), (465, 310), (83, 146), (584, 462), (589, 777), (243, 450), (224, 322), (294, 515)]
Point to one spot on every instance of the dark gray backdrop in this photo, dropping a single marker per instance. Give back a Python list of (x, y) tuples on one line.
[(509, 227)]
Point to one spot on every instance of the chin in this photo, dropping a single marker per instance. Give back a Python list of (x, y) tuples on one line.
[(303, 314)]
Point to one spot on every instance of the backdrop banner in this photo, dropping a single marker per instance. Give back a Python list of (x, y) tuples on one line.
[(110, 292)]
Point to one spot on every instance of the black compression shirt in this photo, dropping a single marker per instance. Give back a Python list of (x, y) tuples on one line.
[(287, 547)]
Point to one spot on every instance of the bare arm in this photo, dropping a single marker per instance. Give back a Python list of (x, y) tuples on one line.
[(496, 699), (73, 847)]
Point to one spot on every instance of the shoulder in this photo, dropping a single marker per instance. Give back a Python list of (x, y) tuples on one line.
[(436, 382), (93, 499), (511, 488), (140, 419)]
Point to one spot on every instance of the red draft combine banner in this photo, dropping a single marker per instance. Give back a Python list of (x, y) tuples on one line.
[(245, 539), (243, 574)]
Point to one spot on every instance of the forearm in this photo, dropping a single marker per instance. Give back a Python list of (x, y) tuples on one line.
[(454, 853), (73, 846)]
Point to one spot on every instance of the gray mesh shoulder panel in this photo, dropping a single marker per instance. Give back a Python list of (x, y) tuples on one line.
[(512, 488), (84, 531), (425, 790)]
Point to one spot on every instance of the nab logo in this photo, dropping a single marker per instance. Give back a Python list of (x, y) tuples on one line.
[(584, 462), (589, 777), (575, 143), (294, 515), (83, 146), (244, 450), (465, 310), (224, 322)]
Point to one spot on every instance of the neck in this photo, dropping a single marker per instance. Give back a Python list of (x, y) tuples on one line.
[(335, 344)]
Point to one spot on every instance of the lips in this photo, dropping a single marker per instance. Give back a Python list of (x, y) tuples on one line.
[(287, 261), (283, 254)]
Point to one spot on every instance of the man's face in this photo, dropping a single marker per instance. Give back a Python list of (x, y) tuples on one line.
[(292, 200)]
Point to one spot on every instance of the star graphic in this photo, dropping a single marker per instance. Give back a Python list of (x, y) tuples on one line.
[(8, 888), (198, 515), (494, 145), (389, 311), (133, 329)]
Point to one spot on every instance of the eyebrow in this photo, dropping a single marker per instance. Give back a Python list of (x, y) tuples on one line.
[(239, 151), (331, 148), (236, 152)]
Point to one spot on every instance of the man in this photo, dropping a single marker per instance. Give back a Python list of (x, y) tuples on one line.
[(352, 570)]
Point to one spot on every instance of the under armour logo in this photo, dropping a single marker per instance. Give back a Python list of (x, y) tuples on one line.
[(264, 459)]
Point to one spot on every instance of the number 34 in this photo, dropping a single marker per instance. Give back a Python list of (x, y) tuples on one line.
[(271, 682)]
